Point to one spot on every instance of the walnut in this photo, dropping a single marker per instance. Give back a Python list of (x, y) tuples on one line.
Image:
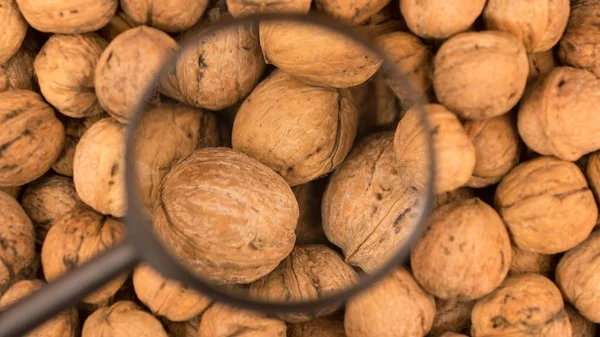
[(353, 12), (168, 16), (224, 321), (540, 64), (122, 319), (395, 306), (377, 106), (452, 334), (239, 8), (546, 205), (529, 262), (309, 229), (480, 75), (183, 329), (581, 41), (14, 29), (299, 131), (13, 191), (322, 327), (461, 193), (451, 315), (17, 72), (117, 25), (31, 137), (592, 172), (580, 325)]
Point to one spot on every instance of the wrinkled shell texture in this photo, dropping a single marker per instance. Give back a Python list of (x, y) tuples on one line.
[(218, 71), (454, 195), (529, 262), (167, 298), (592, 172), (14, 29), (239, 8), (183, 329), (524, 305), (376, 104), (31, 138), (351, 11), (559, 114), (578, 276), (309, 228), (541, 64), (168, 16), (127, 67), (322, 327), (308, 273), (546, 205), (452, 316), (580, 44), (65, 70), (480, 75), (580, 325), (300, 131), (369, 208), (440, 19), (122, 319), (117, 25), (316, 55), (17, 72), (65, 324), (497, 148), (465, 252), (394, 307), (227, 216), (223, 321), (77, 237)]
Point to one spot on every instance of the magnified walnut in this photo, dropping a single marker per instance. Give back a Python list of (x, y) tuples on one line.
[(377, 106), (309, 229), (17, 72), (224, 321), (168, 16), (461, 193), (122, 319), (13, 31), (322, 327)]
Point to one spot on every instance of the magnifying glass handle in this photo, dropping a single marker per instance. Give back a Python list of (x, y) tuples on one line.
[(66, 291)]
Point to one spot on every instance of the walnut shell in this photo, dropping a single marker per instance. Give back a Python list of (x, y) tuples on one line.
[(465, 252), (580, 325), (353, 12), (524, 305), (299, 131), (65, 324), (122, 319), (168, 16), (451, 315), (224, 321), (117, 25), (559, 114), (529, 262), (183, 329), (317, 55), (123, 72), (480, 75), (309, 229), (439, 19), (17, 72), (370, 209), (239, 216), (452, 334), (546, 205), (239, 8), (541, 64), (31, 138), (395, 306), (308, 273), (461, 193), (581, 41), (17, 251), (322, 327), (65, 70), (77, 237), (377, 105), (14, 29), (497, 148), (13, 191)]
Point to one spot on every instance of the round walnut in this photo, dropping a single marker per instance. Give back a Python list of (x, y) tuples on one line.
[(168, 16), (309, 229), (497, 148), (239, 8), (31, 138), (395, 306), (308, 273), (17, 72), (239, 216), (524, 305), (122, 319), (13, 191), (465, 252), (370, 209), (581, 41), (440, 19), (117, 25), (529, 262), (559, 114), (541, 64), (353, 12), (77, 237), (224, 321), (547, 205), (317, 55), (580, 325), (65, 71), (461, 193), (13, 31), (322, 327), (451, 315), (65, 324), (299, 131), (128, 66), (480, 75)]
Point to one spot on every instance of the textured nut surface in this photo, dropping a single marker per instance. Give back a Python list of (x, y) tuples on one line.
[(592, 172), (546, 205), (395, 306), (529, 262), (31, 138), (322, 327), (17, 72), (224, 321), (239, 8), (13, 191), (117, 25), (377, 106), (524, 305), (354, 12), (168, 16), (183, 329), (300, 131), (14, 29), (541, 64), (454, 195), (122, 319), (451, 315), (580, 325), (580, 43), (480, 75), (309, 229)]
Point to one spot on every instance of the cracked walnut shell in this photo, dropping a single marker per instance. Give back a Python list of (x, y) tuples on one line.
[(580, 44), (122, 319), (221, 320), (168, 16)]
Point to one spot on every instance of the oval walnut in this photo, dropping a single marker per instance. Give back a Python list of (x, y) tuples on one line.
[(168, 16), (122, 319)]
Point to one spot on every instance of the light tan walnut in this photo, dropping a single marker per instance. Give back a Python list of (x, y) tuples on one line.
[(13, 30), (224, 321), (580, 44), (122, 319), (17, 72), (353, 12), (168, 16)]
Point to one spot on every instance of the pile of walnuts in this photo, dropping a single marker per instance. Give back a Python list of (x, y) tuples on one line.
[(280, 160)]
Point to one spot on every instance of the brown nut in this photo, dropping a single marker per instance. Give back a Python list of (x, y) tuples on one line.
[(580, 325), (395, 306), (122, 319), (224, 321), (377, 106), (480, 75), (452, 334), (451, 315), (546, 205), (309, 229), (239, 8), (117, 25), (465, 252), (454, 195), (17, 72), (31, 138), (322, 327), (308, 273), (13, 191), (353, 12), (13, 31), (529, 262), (168, 16), (77, 237), (299, 131), (592, 172), (524, 305), (183, 329), (581, 41), (541, 64)]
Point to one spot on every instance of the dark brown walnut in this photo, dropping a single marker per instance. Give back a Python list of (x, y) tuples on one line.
[(168, 16), (581, 41), (224, 321), (546, 205), (592, 172), (238, 215), (541, 64), (309, 229), (353, 12), (524, 305), (377, 106), (497, 148), (13, 191), (117, 25), (13, 31), (370, 208), (529, 262), (239, 8), (122, 319), (65, 70), (127, 68), (75, 238), (17, 251), (451, 315), (317, 55), (65, 324), (480, 75), (310, 272), (464, 253), (300, 131), (183, 329), (17, 72), (454, 195), (322, 327), (559, 114), (452, 334), (395, 306), (580, 325), (31, 138)]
